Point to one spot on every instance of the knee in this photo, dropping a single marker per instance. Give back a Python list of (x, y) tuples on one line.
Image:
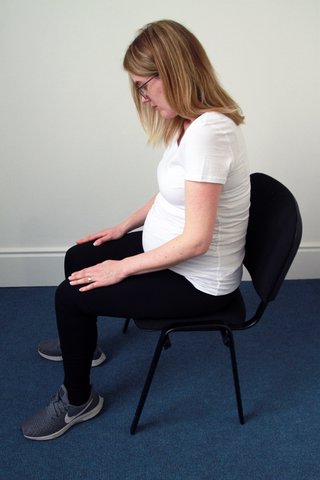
[(68, 299), (67, 309), (74, 259), (62, 293)]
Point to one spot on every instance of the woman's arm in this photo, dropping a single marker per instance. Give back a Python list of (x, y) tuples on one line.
[(135, 220), (201, 201)]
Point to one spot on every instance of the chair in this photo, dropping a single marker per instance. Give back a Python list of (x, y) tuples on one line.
[(273, 237)]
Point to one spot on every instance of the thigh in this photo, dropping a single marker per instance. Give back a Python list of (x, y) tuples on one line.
[(161, 294), (86, 255)]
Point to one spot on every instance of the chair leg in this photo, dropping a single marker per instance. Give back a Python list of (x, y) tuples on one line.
[(229, 342), (126, 325), (156, 356)]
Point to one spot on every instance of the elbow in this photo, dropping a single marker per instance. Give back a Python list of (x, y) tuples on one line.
[(201, 247), (204, 249), (196, 245)]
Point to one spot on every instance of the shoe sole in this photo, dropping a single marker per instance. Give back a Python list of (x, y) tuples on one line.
[(95, 362), (49, 357), (81, 418)]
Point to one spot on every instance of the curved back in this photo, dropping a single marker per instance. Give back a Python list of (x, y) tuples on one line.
[(273, 236)]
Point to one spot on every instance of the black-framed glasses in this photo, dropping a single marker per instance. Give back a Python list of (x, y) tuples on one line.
[(142, 89)]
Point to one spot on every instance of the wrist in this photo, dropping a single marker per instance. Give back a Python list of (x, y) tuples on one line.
[(128, 225), (126, 266), (123, 227)]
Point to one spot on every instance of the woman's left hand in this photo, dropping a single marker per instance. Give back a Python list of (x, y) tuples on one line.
[(100, 275)]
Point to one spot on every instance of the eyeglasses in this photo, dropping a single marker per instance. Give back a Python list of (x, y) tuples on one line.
[(142, 89)]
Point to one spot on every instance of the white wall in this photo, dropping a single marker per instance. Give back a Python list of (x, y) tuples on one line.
[(73, 155)]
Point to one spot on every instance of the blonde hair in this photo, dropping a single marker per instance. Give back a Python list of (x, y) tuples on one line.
[(190, 84)]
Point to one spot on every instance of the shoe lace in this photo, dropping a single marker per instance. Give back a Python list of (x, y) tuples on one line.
[(57, 406)]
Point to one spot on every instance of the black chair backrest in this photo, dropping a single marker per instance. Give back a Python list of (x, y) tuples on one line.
[(274, 234)]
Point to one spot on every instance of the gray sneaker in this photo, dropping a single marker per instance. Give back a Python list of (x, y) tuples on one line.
[(55, 419), (51, 350)]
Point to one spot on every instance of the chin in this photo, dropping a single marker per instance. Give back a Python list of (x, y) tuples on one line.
[(167, 114)]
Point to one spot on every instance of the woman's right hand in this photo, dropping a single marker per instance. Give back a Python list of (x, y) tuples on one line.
[(112, 233)]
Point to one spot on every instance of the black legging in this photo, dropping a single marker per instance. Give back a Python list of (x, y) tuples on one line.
[(159, 294)]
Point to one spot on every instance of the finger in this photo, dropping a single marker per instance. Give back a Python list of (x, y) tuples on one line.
[(80, 281), (102, 240), (77, 275), (88, 238), (81, 277), (89, 287)]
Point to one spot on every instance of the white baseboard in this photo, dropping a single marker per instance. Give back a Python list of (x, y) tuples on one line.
[(44, 266), (305, 265), (31, 267)]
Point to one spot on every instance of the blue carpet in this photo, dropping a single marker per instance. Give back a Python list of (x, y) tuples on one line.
[(189, 428)]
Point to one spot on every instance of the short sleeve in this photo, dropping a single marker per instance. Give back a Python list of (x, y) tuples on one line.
[(207, 149)]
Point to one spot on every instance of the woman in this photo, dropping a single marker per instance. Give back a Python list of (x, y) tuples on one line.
[(188, 258)]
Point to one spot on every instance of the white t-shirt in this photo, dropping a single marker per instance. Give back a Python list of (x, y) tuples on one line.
[(211, 150)]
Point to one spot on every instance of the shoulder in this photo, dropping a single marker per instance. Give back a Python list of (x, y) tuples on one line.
[(211, 127), (213, 120)]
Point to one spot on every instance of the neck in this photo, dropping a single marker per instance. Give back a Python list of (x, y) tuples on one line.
[(185, 126)]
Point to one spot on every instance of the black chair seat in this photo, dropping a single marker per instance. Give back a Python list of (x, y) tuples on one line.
[(232, 316)]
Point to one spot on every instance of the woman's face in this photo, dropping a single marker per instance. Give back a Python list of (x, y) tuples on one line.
[(153, 93)]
